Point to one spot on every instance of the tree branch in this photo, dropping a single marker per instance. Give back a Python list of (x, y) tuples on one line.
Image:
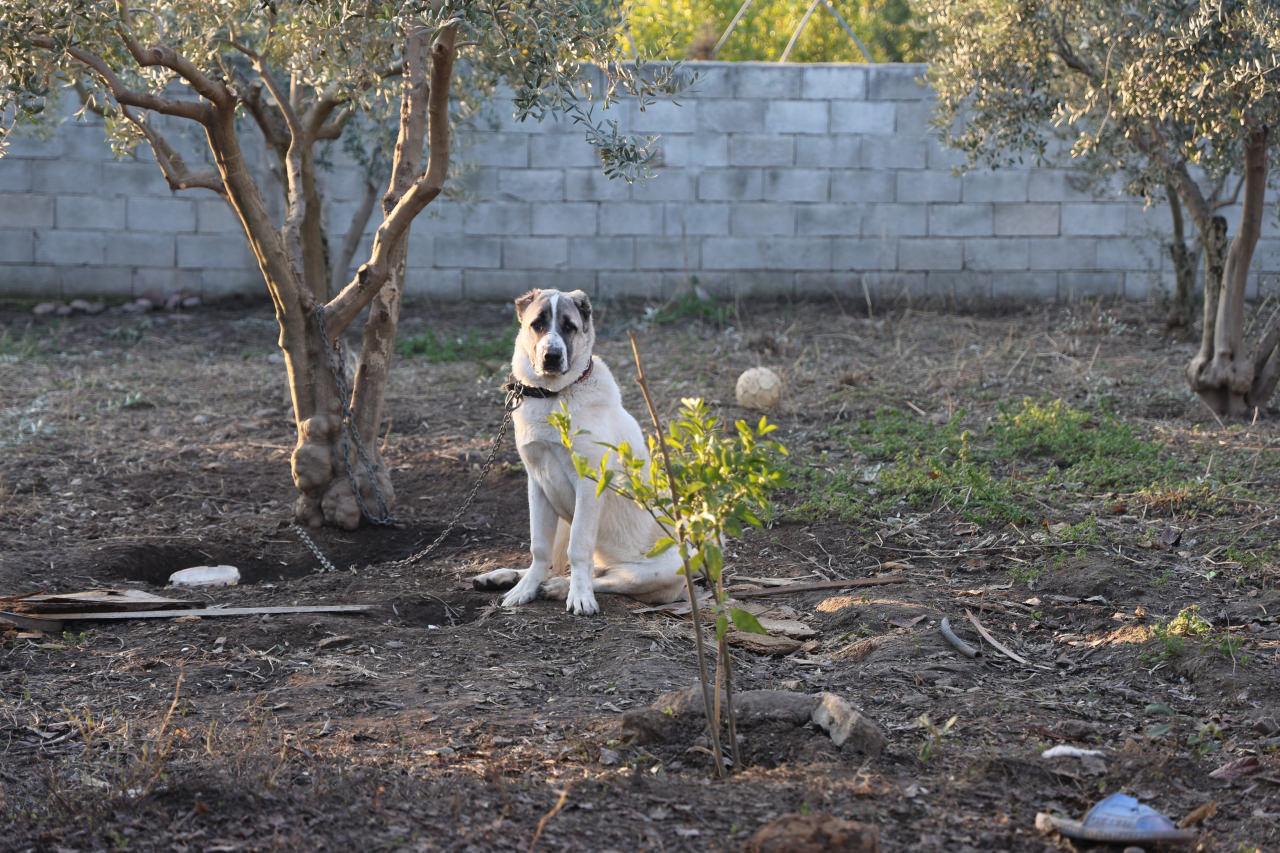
[(166, 57), (353, 298), (125, 96)]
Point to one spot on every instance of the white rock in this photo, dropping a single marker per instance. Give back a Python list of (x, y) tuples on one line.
[(206, 576), (759, 388), (44, 309)]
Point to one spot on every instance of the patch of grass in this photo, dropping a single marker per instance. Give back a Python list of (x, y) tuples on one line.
[(472, 345), (956, 476), (690, 307), (1189, 631), (20, 346), (890, 433), (1099, 450), (823, 493)]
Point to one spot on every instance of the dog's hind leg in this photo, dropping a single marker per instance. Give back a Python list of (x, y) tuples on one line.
[(653, 580), (498, 579)]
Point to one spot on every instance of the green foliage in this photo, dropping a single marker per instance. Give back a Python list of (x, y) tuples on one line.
[(673, 29), (934, 734), (954, 475), (20, 346), (1097, 450), (471, 345), (824, 492), (690, 307), (718, 485), (1189, 630)]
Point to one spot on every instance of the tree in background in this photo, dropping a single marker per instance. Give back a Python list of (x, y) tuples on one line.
[(673, 29), (296, 74), (1176, 95)]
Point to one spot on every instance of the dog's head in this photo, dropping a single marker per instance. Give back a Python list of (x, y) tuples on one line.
[(556, 335)]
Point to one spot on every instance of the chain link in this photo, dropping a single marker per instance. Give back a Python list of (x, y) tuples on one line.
[(512, 402)]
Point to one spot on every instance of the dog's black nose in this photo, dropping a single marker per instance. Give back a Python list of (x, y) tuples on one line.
[(551, 362)]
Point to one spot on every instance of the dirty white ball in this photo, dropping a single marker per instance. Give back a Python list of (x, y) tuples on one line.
[(759, 388)]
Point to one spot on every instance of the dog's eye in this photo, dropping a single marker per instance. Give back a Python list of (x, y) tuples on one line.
[(569, 328), (540, 324)]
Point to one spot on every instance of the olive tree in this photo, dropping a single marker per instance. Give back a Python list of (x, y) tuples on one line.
[(294, 75), (1178, 94)]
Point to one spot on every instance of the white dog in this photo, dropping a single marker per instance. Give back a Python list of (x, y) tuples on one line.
[(603, 540)]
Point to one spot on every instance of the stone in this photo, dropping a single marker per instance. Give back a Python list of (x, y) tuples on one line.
[(848, 725), (814, 833), (44, 309), (191, 302)]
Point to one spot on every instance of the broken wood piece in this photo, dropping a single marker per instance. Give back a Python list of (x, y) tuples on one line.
[(996, 644), (49, 625), (210, 611), (763, 644), (92, 599), (815, 586), (958, 644)]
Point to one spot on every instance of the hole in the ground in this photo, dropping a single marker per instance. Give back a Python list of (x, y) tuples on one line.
[(425, 611), (153, 563)]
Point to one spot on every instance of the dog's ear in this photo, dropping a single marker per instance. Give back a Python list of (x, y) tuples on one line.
[(523, 301), (580, 299)]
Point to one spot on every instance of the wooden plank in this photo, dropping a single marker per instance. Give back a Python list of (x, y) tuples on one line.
[(210, 611), (50, 625)]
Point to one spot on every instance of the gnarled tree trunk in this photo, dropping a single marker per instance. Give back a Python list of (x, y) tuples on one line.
[(1223, 372)]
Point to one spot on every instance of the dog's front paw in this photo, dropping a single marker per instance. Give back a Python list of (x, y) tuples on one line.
[(521, 593), (581, 601), (496, 579)]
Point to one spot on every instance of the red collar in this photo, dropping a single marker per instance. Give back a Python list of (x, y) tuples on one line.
[(516, 389)]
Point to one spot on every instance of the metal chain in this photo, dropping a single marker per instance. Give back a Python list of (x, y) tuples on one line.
[(512, 402)]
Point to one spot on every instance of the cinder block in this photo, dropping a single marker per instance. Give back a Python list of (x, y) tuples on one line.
[(862, 185), (1093, 219), (24, 144), (731, 185), (710, 80), (443, 216), (695, 220), (16, 247), (492, 218), (705, 150), (914, 119), (666, 253), (508, 150), (924, 186), (345, 182), (796, 184), (90, 212), (866, 254), (161, 214), (86, 142), (756, 149), (1001, 185), (505, 285), (1128, 254), (205, 251), (421, 251), (767, 80), (131, 177), (1078, 285), (558, 220), (666, 185), (930, 253), (592, 185), (747, 284), (998, 253), (15, 174), (634, 218), (895, 220), (95, 281), (215, 216), (22, 210), (1058, 185), (38, 280), (1025, 287), (1062, 253), (561, 151), (169, 279), (217, 284), (829, 152), (1153, 221), (881, 152), (896, 82), (542, 185), (1147, 285), (70, 248), (433, 283), (765, 219), (631, 285), (864, 117), (835, 220), (835, 82), (141, 250), (663, 117), (796, 117), (944, 157), (767, 253), (480, 184), (961, 220), (732, 116), (535, 253), (962, 287), (467, 252), (60, 176), (1029, 220), (890, 286), (602, 253)]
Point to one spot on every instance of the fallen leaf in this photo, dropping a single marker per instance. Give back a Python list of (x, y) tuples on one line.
[(1199, 814), (903, 622), (1238, 769)]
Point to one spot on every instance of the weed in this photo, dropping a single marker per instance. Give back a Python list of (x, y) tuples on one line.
[(690, 307), (954, 475), (825, 493), (20, 347), (1189, 630), (934, 734), (1095, 450), (473, 345)]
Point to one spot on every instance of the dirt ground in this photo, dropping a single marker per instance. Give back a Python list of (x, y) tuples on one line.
[(132, 446)]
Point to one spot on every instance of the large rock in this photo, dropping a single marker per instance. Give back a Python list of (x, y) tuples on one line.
[(815, 833)]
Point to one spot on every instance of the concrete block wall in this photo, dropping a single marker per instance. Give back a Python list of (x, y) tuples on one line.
[(772, 179)]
